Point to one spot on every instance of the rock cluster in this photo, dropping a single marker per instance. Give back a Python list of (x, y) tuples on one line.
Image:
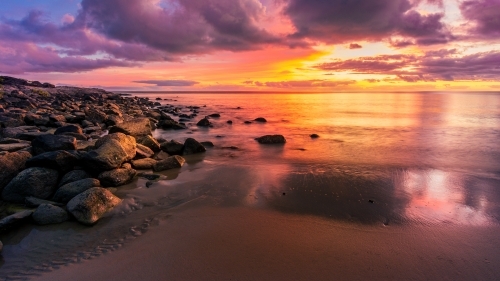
[(63, 148)]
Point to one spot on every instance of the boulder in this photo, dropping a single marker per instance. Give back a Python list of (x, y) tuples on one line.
[(117, 177), (149, 142), (37, 182), (192, 146), (171, 162), (10, 165), (172, 147), (61, 160), (143, 164), (272, 139), (112, 151), (89, 206), (14, 220), (49, 214), (170, 124), (72, 189), (95, 116), (143, 152), (12, 147), (136, 127), (46, 143), (128, 143), (203, 122), (73, 176)]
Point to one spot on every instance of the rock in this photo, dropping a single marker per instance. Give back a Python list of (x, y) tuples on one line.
[(37, 182), (150, 176), (33, 202), (85, 145), (137, 127), (150, 142), (248, 122), (72, 189), (12, 132), (207, 143), (143, 164), (143, 152), (73, 176), (170, 124), (172, 147), (162, 155), (12, 147), (10, 165), (117, 177), (128, 143), (89, 206), (14, 220), (215, 115), (95, 116), (229, 122), (260, 119), (112, 151), (61, 160), (314, 136), (171, 162), (271, 139), (49, 214), (203, 123), (192, 146), (69, 129), (30, 136), (46, 143)]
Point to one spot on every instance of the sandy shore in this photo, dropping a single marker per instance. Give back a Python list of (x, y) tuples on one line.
[(242, 243)]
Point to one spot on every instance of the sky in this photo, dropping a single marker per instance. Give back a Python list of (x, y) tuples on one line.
[(254, 45)]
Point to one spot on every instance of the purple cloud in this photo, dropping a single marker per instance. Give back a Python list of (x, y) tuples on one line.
[(172, 83), (485, 14), (355, 46), (304, 83)]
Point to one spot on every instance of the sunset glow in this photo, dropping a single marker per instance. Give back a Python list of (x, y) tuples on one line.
[(255, 45)]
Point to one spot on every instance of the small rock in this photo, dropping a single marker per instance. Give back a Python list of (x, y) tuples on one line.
[(314, 136), (117, 177), (89, 206), (150, 142), (171, 162), (143, 152), (229, 122), (137, 127), (12, 147), (172, 147), (69, 129), (260, 119), (72, 189), (192, 146), (203, 123), (248, 122), (73, 176), (272, 139), (143, 164), (214, 115), (33, 202), (49, 214)]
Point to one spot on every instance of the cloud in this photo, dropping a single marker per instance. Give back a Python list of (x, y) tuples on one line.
[(485, 16), (447, 65), (338, 21), (355, 46), (169, 83), (315, 83)]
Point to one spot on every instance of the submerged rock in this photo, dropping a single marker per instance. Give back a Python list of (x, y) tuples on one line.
[(37, 182), (89, 206), (272, 139), (171, 162), (49, 214)]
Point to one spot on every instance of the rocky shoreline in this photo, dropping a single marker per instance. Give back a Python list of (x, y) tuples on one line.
[(65, 150)]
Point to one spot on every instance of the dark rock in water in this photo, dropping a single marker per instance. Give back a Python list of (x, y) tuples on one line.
[(150, 176), (58, 160), (171, 124), (248, 122), (172, 147), (314, 136), (207, 143), (33, 202), (72, 189), (117, 177), (46, 143), (271, 139), (89, 206), (137, 127), (171, 162), (73, 176), (215, 115), (149, 142), (10, 165), (69, 129), (192, 146), (143, 152), (143, 164), (229, 122), (14, 220), (260, 119), (49, 214), (37, 182), (203, 123)]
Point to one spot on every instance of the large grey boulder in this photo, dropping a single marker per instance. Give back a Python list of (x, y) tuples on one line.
[(89, 206), (73, 176), (37, 182), (70, 190), (272, 139), (58, 160), (171, 162), (117, 177), (192, 146), (10, 165), (172, 147), (47, 143), (137, 127), (49, 214)]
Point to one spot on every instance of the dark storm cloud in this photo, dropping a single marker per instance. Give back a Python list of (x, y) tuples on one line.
[(436, 65), (176, 83), (338, 21)]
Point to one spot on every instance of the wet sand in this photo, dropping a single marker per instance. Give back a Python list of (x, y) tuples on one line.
[(225, 243)]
